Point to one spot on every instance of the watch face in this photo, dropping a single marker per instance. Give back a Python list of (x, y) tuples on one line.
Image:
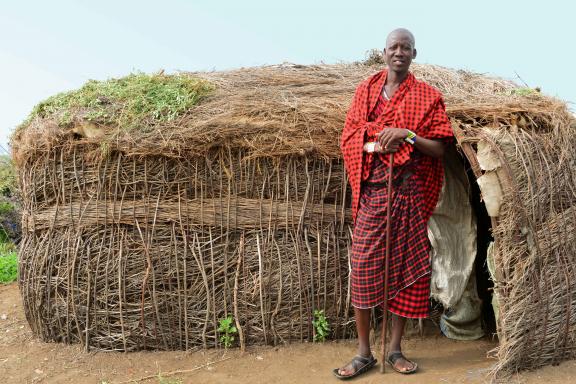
[(370, 147)]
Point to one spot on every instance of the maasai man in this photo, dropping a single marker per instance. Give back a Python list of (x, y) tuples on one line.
[(392, 112)]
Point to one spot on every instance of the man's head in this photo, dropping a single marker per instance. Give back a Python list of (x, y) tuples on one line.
[(400, 50)]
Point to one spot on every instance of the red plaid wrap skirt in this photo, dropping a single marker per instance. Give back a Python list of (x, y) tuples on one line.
[(409, 273)]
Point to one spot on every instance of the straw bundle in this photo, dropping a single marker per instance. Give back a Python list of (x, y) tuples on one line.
[(146, 236)]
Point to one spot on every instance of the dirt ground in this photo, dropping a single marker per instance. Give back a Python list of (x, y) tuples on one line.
[(25, 359)]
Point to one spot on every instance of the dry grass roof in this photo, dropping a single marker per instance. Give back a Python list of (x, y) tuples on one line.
[(270, 111)]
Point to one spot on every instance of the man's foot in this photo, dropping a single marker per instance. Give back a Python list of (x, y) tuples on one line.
[(357, 366), (401, 364)]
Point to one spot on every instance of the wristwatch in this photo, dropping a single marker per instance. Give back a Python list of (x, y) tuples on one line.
[(411, 138)]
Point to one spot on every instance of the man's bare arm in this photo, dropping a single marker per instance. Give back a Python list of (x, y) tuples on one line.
[(390, 140)]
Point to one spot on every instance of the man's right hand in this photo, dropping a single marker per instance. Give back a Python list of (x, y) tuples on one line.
[(375, 147)]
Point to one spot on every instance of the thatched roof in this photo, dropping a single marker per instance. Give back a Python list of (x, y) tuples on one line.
[(257, 153), (272, 111)]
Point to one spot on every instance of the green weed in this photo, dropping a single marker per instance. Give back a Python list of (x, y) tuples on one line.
[(227, 331), (321, 325)]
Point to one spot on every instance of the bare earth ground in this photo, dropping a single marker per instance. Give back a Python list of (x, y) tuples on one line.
[(25, 359)]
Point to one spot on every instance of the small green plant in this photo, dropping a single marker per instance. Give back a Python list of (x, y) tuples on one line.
[(8, 263), (227, 331), (321, 325)]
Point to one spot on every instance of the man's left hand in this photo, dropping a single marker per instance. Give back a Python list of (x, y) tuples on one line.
[(392, 138)]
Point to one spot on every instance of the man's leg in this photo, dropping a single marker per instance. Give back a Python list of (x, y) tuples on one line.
[(362, 317), (398, 323)]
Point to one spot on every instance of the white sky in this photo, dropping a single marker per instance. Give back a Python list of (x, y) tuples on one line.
[(51, 46)]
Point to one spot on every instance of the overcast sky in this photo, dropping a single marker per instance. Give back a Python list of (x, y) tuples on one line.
[(51, 46)]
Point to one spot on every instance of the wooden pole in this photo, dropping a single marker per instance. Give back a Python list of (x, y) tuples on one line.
[(387, 263)]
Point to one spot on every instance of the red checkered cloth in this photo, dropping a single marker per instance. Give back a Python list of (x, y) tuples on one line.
[(415, 106), (413, 301), (417, 183), (409, 247)]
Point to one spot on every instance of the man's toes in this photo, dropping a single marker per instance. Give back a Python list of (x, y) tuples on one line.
[(345, 371), (406, 366)]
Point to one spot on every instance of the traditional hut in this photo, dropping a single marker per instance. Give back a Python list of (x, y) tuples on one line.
[(157, 206)]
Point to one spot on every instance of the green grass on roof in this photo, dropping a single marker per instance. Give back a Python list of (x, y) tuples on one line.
[(136, 101)]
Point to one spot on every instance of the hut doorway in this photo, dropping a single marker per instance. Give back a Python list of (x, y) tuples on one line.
[(484, 283), (460, 231)]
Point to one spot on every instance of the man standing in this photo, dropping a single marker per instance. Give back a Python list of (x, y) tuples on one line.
[(392, 112)]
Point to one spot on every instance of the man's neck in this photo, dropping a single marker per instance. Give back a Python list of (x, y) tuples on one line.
[(396, 78)]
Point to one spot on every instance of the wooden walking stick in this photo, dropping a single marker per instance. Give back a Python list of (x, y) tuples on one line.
[(387, 263)]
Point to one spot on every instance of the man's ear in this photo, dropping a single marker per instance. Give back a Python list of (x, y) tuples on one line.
[(384, 56), (414, 55)]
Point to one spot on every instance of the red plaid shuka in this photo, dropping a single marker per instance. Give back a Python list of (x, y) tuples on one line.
[(417, 184)]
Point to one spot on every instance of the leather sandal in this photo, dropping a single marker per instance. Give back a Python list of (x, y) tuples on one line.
[(394, 357), (360, 365)]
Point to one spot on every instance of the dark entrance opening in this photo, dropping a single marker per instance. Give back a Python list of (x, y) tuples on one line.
[(484, 284)]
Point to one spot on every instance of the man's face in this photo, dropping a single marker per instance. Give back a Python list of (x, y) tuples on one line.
[(399, 52)]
